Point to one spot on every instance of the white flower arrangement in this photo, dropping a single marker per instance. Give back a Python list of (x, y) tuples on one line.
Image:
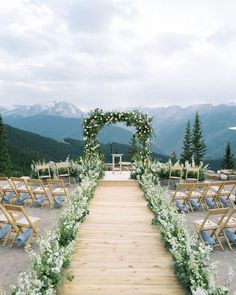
[(48, 266), (96, 120), (191, 258)]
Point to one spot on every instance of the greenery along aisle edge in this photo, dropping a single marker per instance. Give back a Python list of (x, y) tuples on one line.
[(48, 266), (191, 258)]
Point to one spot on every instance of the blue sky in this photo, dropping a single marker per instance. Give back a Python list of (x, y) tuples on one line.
[(112, 53)]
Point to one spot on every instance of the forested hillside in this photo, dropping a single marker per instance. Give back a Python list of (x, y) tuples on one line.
[(26, 147)]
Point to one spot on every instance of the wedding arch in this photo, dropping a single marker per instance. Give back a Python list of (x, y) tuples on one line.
[(97, 119)]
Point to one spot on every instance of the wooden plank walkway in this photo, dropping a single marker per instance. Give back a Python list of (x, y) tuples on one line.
[(118, 250)]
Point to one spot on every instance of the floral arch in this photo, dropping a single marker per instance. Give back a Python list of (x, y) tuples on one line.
[(97, 119)]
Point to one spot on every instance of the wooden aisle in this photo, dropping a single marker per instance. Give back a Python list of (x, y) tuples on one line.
[(118, 250)]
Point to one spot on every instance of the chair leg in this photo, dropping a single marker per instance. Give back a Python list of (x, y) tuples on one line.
[(218, 239), (14, 239), (228, 242), (6, 238)]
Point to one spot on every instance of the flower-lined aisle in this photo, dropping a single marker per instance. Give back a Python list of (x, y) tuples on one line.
[(191, 258), (48, 266)]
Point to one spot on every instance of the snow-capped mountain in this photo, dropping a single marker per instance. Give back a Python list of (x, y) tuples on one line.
[(54, 108)]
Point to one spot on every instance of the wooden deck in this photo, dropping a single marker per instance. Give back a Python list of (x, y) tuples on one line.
[(118, 250)]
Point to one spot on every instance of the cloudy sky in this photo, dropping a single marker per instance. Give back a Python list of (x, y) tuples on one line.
[(112, 53)]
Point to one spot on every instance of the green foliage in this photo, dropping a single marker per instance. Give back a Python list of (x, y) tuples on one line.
[(198, 144), (5, 161), (173, 157), (228, 160), (56, 248), (191, 258), (187, 145), (133, 148), (97, 119)]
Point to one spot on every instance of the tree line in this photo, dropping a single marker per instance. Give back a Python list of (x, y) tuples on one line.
[(194, 147), (19, 148)]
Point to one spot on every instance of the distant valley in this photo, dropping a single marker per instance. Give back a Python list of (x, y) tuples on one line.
[(59, 120), (25, 147)]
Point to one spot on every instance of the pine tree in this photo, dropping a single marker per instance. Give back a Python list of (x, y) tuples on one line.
[(173, 157), (228, 160), (5, 161), (133, 148), (187, 145), (198, 144)]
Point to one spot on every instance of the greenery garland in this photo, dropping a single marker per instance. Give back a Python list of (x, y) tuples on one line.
[(97, 119), (47, 269), (191, 258)]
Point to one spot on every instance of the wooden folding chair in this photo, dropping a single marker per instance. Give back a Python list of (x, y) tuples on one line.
[(57, 188), (182, 192), (37, 188), (9, 218), (226, 193), (22, 187), (228, 222), (1, 195), (24, 221), (63, 170), (43, 171), (176, 173), (212, 193), (191, 172), (199, 193), (210, 226), (8, 187)]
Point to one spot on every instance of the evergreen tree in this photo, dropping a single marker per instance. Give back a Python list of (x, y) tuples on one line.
[(133, 148), (173, 157), (228, 160), (198, 144), (187, 145), (5, 162)]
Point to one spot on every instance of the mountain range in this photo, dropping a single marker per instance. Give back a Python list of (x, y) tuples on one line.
[(59, 120)]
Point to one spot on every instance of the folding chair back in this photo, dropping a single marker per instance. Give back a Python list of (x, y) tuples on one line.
[(9, 218), (22, 187), (192, 174), (176, 173), (37, 188), (227, 192), (211, 212), (199, 192), (57, 187), (7, 187), (183, 190), (25, 221), (181, 195), (228, 222), (207, 225), (63, 170), (43, 171), (212, 193)]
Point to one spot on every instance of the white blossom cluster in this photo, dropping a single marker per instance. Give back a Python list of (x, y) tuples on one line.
[(96, 120), (191, 258), (158, 169), (58, 245)]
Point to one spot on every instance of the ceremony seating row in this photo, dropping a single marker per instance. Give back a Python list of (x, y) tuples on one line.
[(177, 171), (14, 220), (22, 191), (204, 195), (210, 231), (62, 170)]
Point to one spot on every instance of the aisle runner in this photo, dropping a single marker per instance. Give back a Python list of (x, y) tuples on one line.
[(118, 251)]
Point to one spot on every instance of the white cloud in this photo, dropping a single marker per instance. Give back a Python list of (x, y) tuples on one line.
[(109, 53)]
